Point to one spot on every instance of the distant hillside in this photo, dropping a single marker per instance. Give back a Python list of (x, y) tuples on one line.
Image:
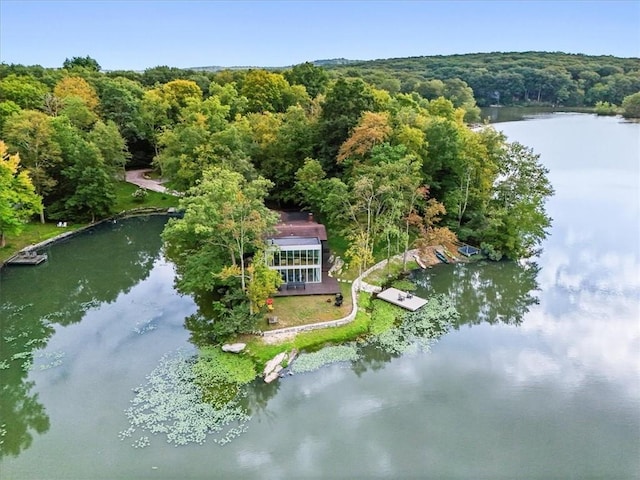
[(507, 78), (318, 63)]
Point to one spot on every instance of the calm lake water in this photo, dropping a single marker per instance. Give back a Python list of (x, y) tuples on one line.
[(540, 379)]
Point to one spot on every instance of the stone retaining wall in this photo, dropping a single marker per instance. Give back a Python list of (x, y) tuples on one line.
[(143, 212), (358, 285)]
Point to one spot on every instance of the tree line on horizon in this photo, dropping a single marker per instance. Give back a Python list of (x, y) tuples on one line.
[(509, 78)]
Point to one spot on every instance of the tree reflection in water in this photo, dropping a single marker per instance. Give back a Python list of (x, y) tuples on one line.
[(85, 272), (20, 412), (492, 292)]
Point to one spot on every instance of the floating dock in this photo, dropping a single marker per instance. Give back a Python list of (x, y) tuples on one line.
[(402, 299)]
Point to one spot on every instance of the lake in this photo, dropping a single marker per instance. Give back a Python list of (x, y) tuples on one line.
[(539, 379)]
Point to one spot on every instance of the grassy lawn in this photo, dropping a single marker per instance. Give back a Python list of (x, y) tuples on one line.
[(36, 232), (125, 200), (262, 352), (33, 233), (305, 309), (393, 270)]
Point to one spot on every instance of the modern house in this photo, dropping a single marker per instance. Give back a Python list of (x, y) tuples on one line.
[(299, 252)]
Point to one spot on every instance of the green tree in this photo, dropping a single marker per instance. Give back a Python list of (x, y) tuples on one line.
[(25, 91), (631, 106), (31, 134), (344, 104), (7, 108), (18, 198), (89, 181), (516, 217), (113, 149), (80, 116), (154, 117), (225, 218), (81, 62), (314, 79), (270, 92), (120, 102)]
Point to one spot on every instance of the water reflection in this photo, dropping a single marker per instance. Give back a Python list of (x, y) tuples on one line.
[(20, 411), (91, 270), (491, 292)]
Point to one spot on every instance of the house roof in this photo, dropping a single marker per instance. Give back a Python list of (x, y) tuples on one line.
[(299, 225)]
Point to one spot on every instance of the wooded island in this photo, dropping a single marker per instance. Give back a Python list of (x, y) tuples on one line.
[(389, 154)]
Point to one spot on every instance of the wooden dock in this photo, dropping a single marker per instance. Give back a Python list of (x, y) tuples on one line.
[(402, 299), (30, 257)]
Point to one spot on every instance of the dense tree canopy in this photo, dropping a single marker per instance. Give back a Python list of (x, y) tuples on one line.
[(381, 151), (507, 78)]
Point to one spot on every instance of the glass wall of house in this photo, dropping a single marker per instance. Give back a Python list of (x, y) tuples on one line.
[(298, 259)]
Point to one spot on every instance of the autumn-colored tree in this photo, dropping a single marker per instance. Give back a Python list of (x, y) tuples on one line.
[(77, 87), (372, 129), (31, 134), (18, 198)]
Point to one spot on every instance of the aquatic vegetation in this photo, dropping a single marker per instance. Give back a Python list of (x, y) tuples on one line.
[(53, 359), (170, 403), (220, 375), (384, 316), (308, 362), (143, 327), (419, 329)]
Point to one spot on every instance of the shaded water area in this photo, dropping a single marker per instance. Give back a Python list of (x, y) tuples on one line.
[(540, 378)]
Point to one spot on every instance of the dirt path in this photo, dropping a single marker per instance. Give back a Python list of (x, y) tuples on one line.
[(138, 177)]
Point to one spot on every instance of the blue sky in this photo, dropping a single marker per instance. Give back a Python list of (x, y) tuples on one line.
[(123, 34)]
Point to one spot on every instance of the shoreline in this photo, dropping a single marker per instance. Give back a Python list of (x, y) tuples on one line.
[(139, 212)]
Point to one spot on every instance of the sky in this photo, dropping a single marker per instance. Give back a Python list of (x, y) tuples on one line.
[(139, 34)]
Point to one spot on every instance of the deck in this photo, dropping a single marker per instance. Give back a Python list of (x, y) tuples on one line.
[(329, 286), (27, 258), (402, 299)]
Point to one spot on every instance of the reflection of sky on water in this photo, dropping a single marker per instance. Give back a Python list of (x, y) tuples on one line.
[(557, 396), (588, 320), (89, 392)]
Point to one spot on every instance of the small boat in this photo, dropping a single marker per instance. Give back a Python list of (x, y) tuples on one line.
[(441, 256), (468, 250)]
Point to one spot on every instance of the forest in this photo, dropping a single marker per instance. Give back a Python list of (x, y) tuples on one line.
[(515, 78), (384, 164)]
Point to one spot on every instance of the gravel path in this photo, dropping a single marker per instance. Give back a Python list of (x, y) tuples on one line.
[(137, 177)]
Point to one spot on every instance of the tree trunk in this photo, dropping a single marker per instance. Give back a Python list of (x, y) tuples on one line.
[(3, 240), (42, 215)]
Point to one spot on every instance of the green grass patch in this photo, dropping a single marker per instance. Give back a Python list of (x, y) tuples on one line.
[(126, 201), (305, 309), (309, 341), (392, 271), (384, 316), (34, 232)]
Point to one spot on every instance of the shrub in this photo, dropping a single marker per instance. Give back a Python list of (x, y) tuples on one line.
[(139, 195)]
